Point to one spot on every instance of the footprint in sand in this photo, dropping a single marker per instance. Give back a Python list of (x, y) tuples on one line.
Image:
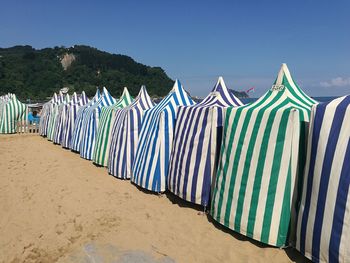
[(127, 196), (60, 228)]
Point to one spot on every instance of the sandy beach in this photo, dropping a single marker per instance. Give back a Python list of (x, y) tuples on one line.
[(57, 207)]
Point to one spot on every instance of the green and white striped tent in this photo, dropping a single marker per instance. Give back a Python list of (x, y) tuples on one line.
[(262, 155), (103, 140), (11, 111)]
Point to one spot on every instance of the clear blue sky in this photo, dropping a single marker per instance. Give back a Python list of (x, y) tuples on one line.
[(196, 41)]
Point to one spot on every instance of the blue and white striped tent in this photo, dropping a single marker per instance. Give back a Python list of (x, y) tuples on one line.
[(151, 164), (53, 109), (196, 146), (71, 114), (323, 232), (77, 134), (61, 116), (48, 115), (55, 115), (45, 115), (125, 134), (90, 123)]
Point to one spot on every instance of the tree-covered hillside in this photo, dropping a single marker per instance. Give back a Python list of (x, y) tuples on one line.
[(37, 74)]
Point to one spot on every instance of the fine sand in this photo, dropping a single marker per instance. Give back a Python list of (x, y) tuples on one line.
[(56, 206)]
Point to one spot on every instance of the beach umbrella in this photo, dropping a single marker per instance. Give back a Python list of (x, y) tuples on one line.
[(125, 134), (12, 111), (262, 154), (103, 138), (71, 114), (196, 146), (150, 168), (324, 217), (77, 134), (90, 123)]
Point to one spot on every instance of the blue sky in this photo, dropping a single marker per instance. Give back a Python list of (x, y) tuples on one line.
[(196, 41)]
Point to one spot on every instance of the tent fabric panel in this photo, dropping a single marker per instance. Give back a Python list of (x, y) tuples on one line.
[(323, 222)]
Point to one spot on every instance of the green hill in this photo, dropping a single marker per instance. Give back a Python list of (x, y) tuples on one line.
[(37, 74)]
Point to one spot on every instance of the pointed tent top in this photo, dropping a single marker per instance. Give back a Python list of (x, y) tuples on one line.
[(13, 97), (284, 71), (177, 86), (125, 97), (83, 94), (222, 94), (84, 99), (107, 97), (125, 93), (67, 98), (285, 83), (143, 92), (98, 93), (105, 92), (285, 88), (179, 91), (144, 97), (60, 97), (124, 100), (54, 98), (74, 98), (220, 85)]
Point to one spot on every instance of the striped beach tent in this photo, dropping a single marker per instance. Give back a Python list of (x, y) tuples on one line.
[(61, 116), (77, 134), (151, 164), (323, 232), (71, 114), (262, 154), (45, 115), (196, 146), (53, 116), (125, 135), (90, 123), (3, 100), (12, 111), (103, 138)]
